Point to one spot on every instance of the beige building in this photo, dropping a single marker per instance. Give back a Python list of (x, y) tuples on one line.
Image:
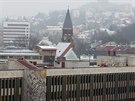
[(48, 54)]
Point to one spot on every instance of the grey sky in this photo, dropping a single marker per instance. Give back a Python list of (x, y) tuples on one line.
[(32, 7)]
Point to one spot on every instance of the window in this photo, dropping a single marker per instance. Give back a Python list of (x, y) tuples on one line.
[(20, 82), (27, 57), (18, 25), (3, 57), (35, 57), (49, 59), (2, 83), (10, 56)]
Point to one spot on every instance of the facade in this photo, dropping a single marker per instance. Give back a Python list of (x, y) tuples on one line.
[(1, 38), (112, 61), (54, 29), (11, 85), (93, 84), (16, 33), (67, 31)]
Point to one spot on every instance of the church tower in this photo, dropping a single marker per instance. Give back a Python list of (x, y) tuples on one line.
[(67, 31)]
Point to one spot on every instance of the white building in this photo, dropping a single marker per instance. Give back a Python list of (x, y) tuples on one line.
[(31, 56), (54, 29), (16, 33)]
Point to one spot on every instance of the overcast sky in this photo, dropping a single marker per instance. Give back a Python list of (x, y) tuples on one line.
[(32, 7)]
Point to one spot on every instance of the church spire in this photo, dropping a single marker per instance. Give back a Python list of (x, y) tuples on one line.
[(67, 28), (68, 21)]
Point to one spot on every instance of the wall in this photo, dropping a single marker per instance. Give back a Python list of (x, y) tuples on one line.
[(34, 85), (13, 64), (111, 61), (47, 52), (92, 70), (73, 64), (3, 65), (39, 61), (131, 61), (11, 74), (79, 64), (124, 60)]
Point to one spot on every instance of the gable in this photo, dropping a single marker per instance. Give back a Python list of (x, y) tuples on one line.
[(71, 55)]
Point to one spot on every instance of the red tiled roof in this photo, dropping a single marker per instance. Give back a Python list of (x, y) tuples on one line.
[(119, 48), (108, 48), (100, 48), (131, 50), (115, 48), (27, 64)]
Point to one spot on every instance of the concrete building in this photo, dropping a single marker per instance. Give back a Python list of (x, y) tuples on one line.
[(16, 33), (93, 84), (30, 83)]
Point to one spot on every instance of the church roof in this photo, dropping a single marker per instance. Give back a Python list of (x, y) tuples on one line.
[(61, 47), (66, 50), (68, 21)]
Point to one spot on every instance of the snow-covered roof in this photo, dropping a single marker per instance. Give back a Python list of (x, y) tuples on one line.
[(61, 47), (18, 53), (48, 47), (65, 50), (108, 31), (45, 41)]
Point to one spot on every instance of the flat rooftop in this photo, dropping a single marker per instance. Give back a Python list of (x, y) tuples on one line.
[(11, 73), (90, 70)]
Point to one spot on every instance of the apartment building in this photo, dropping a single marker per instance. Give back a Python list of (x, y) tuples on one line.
[(16, 33)]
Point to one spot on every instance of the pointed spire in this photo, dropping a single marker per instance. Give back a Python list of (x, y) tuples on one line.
[(68, 22)]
